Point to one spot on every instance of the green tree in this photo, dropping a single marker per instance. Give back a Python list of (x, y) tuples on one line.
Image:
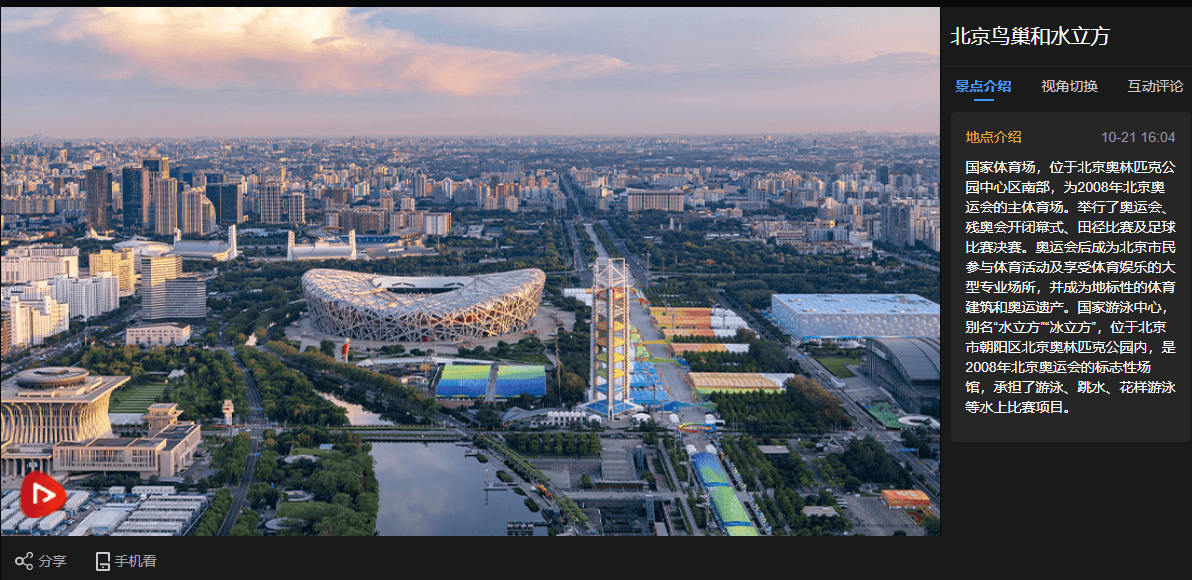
[(246, 524), (932, 526), (652, 480), (650, 438), (585, 482), (327, 347), (852, 484)]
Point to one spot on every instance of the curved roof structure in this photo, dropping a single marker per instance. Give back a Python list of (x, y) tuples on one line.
[(402, 309), (217, 250), (145, 247), (51, 377), (918, 359)]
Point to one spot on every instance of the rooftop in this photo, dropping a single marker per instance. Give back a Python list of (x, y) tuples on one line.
[(858, 303), (196, 247), (178, 325), (919, 356), (73, 386)]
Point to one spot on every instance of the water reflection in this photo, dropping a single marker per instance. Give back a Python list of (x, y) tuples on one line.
[(433, 490), (357, 415)]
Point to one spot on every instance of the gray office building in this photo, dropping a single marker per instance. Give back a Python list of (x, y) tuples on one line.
[(228, 201), (98, 183), (136, 202)]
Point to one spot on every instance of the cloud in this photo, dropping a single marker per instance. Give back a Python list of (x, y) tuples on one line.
[(501, 18), (308, 49), (842, 36), (924, 59), (18, 19)]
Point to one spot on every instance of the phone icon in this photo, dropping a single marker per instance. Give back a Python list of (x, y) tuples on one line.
[(103, 561)]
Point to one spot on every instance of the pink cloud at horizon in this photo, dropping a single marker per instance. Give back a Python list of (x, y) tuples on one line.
[(310, 49)]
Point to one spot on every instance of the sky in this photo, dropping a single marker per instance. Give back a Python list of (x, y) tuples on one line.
[(408, 72)]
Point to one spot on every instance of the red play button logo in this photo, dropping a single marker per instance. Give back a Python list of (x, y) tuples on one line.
[(41, 495)]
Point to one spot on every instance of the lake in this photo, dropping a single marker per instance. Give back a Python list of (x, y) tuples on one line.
[(433, 490)]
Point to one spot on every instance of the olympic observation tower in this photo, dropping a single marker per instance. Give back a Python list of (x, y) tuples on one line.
[(611, 344)]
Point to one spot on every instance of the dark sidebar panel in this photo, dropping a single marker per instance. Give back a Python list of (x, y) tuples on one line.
[(1067, 307)]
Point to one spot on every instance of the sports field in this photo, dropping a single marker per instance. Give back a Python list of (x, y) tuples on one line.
[(134, 399)]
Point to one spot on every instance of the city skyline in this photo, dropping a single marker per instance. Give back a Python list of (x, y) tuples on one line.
[(327, 73)]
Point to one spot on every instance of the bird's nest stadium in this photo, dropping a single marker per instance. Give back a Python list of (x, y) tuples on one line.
[(403, 309)]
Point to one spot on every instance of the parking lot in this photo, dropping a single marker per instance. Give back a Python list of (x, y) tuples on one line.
[(873, 518)]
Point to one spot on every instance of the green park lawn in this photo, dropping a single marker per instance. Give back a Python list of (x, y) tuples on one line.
[(835, 365)]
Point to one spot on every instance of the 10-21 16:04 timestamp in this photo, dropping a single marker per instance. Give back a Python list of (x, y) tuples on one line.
[(1138, 137)]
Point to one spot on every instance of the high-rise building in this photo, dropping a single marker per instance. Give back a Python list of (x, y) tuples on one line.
[(29, 291), (153, 171), (363, 221), (158, 165), (228, 200), (295, 208), (34, 320), (98, 183), (43, 250), (442, 196), (165, 204), (120, 264), (399, 221), (337, 195), (157, 269), (277, 174), (5, 333), (419, 184), (640, 200), (190, 212), (904, 222), (194, 179), (209, 222), (185, 298), (155, 272), (270, 201), (414, 219), (436, 224), (88, 297), (360, 190), (136, 204), (483, 195), (38, 262)]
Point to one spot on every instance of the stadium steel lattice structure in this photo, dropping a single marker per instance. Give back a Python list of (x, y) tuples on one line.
[(402, 309)]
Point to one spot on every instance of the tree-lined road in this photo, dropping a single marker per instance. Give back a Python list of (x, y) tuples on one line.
[(256, 427)]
